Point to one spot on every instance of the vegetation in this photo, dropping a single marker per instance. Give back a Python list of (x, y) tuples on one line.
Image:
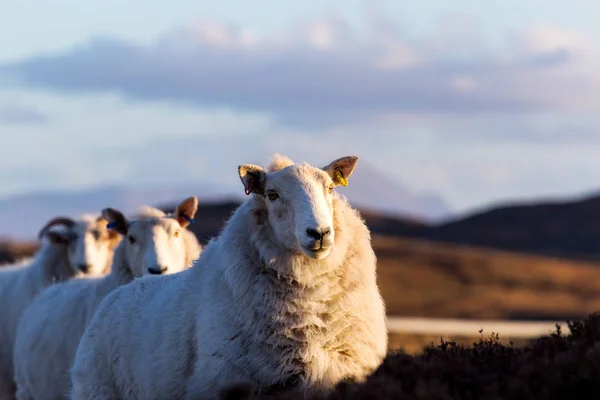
[(553, 367)]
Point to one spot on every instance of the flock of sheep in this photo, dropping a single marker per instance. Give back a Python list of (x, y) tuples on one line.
[(134, 308)]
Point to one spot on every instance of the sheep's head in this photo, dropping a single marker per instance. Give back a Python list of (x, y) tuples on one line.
[(90, 244), (298, 201), (153, 241)]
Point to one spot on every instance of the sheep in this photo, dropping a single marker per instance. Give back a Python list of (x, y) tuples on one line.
[(285, 295), (52, 325), (83, 247)]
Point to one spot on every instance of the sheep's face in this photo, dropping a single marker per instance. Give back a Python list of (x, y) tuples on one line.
[(298, 201), (90, 246), (155, 244)]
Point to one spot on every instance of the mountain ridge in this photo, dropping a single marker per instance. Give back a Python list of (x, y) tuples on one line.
[(22, 215)]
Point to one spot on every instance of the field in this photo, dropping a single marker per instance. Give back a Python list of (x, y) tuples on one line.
[(434, 279), (420, 278), (427, 279)]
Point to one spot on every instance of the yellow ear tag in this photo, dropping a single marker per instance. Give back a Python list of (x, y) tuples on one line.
[(341, 178)]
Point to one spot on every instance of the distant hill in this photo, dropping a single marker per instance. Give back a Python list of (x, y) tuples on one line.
[(211, 217), (372, 189), (568, 229), (22, 216), (563, 228)]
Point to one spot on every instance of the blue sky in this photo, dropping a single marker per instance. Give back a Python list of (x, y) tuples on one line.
[(475, 100)]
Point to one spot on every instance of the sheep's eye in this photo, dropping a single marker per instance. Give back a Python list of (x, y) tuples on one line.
[(96, 234), (272, 196), (176, 234), (131, 239), (330, 189)]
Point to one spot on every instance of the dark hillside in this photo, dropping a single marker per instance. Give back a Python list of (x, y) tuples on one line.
[(211, 217), (565, 229)]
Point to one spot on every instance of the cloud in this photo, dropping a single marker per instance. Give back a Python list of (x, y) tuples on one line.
[(495, 129), (16, 115), (446, 112), (323, 72), (469, 160), (545, 40)]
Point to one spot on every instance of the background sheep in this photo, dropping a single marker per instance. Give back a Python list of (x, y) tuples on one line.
[(285, 295), (84, 246), (52, 325)]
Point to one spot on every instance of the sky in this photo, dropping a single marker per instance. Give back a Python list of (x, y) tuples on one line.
[(478, 101)]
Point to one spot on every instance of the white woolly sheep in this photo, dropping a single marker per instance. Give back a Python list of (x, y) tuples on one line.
[(83, 247), (286, 295), (52, 325)]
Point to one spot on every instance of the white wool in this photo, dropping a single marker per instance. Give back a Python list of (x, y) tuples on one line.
[(20, 283), (147, 211), (51, 327), (249, 311), (279, 162)]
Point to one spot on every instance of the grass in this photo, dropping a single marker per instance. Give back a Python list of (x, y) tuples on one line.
[(415, 344), (420, 278)]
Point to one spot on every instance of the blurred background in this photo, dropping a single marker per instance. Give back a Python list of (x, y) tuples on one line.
[(476, 124)]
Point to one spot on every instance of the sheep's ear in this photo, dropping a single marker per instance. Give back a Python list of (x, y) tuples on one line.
[(341, 169), (57, 237), (253, 177), (116, 221), (186, 210)]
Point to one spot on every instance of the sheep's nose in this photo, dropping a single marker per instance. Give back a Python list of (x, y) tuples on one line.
[(318, 234), (157, 270), (84, 267)]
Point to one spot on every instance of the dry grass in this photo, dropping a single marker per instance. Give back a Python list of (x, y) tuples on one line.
[(419, 278), (414, 344), (428, 279)]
